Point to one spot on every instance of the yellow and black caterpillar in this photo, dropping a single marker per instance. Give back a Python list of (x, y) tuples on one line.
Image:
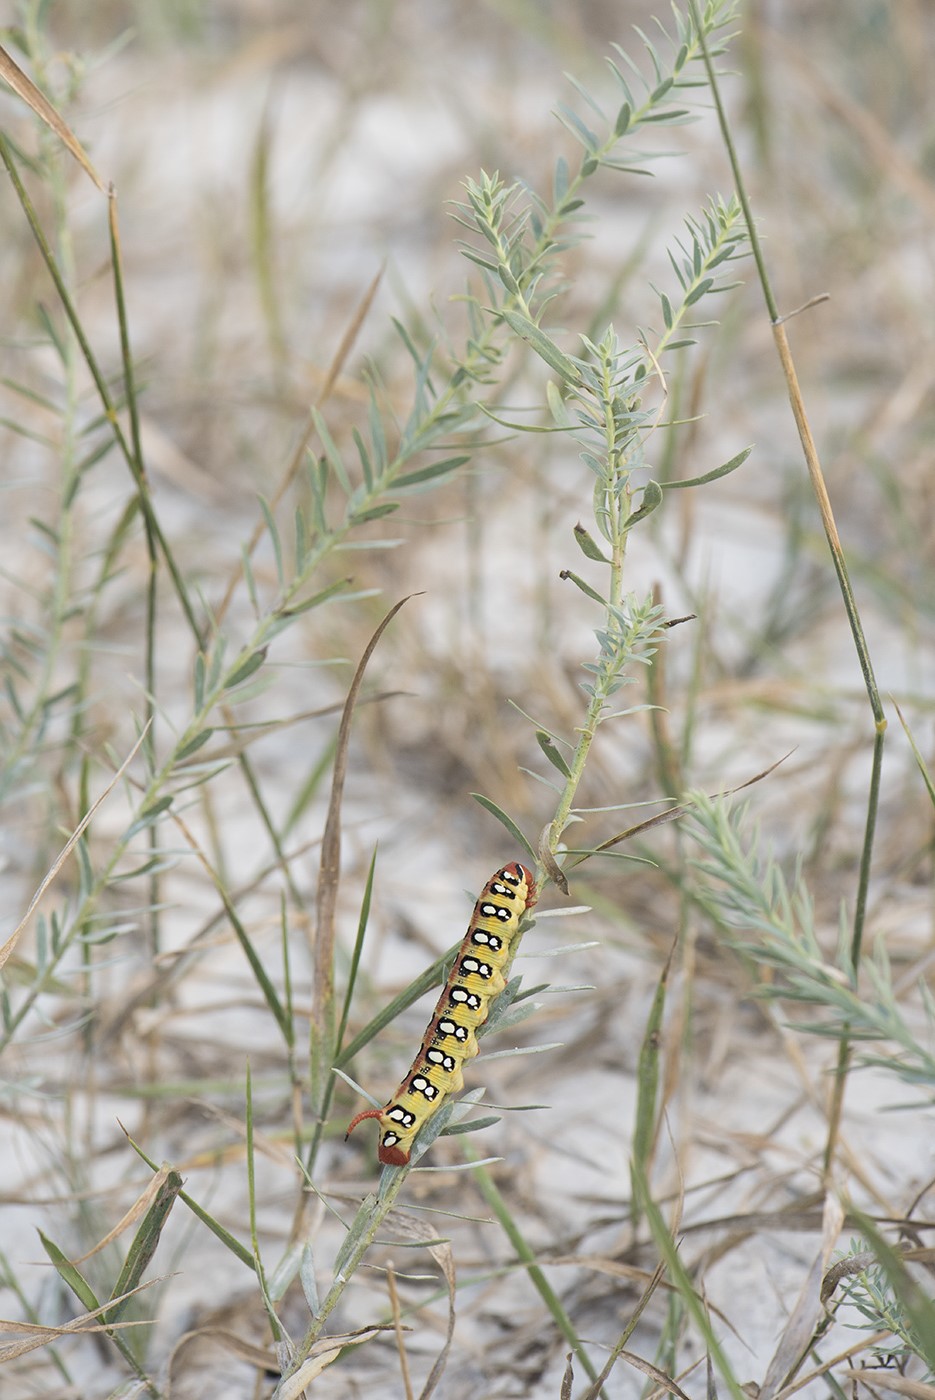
[(475, 979)]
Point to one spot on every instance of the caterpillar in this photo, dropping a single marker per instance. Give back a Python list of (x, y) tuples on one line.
[(475, 979)]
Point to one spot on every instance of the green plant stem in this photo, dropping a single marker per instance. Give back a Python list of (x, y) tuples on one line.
[(100, 382), (616, 502), (845, 1047), (528, 1260), (377, 1209), (152, 579), (820, 490)]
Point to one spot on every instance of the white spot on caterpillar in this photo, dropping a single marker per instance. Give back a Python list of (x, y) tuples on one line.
[(471, 967), (496, 911), (401, 1115), (447, 1027), (487, 940)]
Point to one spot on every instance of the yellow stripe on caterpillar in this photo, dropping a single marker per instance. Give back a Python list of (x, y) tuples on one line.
[(475, 980)]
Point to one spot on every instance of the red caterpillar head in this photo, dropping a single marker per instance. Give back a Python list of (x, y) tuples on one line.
[(388, 1154), (518, 874)]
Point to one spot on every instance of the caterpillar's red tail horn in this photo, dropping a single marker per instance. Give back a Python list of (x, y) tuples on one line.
[(370, 1113)]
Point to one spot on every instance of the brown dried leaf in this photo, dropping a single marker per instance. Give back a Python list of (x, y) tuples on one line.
[(25, 88)]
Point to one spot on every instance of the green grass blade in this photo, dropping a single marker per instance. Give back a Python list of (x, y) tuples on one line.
[(527, 1257)]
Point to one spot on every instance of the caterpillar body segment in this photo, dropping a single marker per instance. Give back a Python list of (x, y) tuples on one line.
[(476, 978)]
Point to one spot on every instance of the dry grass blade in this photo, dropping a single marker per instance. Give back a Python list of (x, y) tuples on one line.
[(673, 813), (808, 1311), (654, 1373), (323, 1353), (7, 948), (233, 1344), (136, 1211), (328, 878), (620, 1347), (878, 1379), (25, 88), (398, 1329), (39, 1335), (444, 1258), (868, 1340), (331, 841)]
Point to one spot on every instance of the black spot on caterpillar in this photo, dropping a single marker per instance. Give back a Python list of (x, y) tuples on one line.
[(450, 1037)]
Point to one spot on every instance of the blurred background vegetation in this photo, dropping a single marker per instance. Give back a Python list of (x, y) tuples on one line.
[(285, 176)]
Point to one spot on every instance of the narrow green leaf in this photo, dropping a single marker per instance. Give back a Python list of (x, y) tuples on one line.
[(644, 1131), (359, 1225), (560, 180), (245, 669), (923, 769), (557, 406), (216, 663), (576, 126), (316, 599), (407, 340), (508, 280), (527, 1256), (544, 347), (273, 531), (725, 470), (145, 1242), (588, 546), (149, 815), (506, 821), (331, 452), (475, 1125), (309, 1283), (280, 1279), (672, 116), (218, 1230), (552, 753), (250, 580), (356, 955), (193, 744), (680, 1278), (652, 500), (360, 517), (364, 455), (476, 258), (585, 587), (698, 292), (301, 539), (450, 464), (377, 436), (86, 875), (69, 1274), (623, 119)]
